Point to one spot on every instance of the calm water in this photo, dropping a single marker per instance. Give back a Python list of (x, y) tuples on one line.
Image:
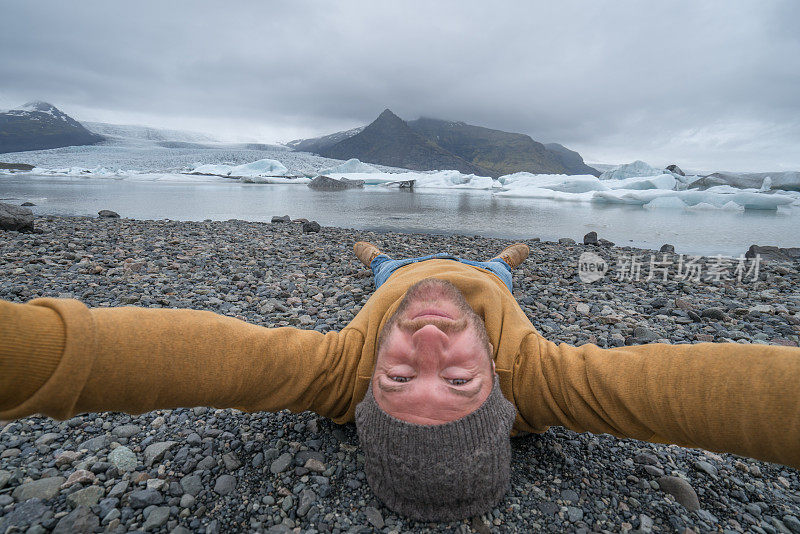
[(423, 211)]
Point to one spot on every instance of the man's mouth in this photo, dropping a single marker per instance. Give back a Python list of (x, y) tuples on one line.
[(431, 313)]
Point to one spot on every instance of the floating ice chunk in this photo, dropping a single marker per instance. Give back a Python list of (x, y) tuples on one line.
[(352, 165), (666, 202), (580, 183), (423, 180), (662, 181), (275, 180), (630, 170), (256, 169), (766, 185)]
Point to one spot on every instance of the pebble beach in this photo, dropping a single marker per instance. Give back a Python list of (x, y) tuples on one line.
[(199, 469)]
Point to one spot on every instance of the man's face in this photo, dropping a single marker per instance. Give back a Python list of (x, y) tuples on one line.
[(434, 360)]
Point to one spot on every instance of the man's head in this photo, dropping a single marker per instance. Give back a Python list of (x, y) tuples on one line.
[(434, 425), (434, 360)]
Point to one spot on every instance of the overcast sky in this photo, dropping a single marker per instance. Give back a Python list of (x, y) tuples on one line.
[(708, 85)]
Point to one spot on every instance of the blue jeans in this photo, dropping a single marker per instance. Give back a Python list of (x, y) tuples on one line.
[(383, 266)]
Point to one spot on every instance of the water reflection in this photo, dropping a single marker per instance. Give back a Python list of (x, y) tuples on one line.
[(427, 211)]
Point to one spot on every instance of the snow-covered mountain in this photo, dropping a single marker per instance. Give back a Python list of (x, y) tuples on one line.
[(40, 125)]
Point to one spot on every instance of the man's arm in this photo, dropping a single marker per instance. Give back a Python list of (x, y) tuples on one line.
[(728, 397), (60, 358)]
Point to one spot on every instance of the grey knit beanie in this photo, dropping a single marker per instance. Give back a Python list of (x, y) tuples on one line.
[(442, 472)]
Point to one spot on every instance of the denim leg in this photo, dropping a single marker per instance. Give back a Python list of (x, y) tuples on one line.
[(376, 264)]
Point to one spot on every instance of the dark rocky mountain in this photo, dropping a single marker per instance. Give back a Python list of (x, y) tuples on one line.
[(571, 160), (389, 141), (498, 151), (456, 145), (318, 144), (39, 126)]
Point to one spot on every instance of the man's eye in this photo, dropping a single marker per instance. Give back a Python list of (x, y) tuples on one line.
[(458, 381), (400, 378)]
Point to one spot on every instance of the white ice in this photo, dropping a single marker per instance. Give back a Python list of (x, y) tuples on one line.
[(423, 180), (629, 170), (352, 165), (257, 169)]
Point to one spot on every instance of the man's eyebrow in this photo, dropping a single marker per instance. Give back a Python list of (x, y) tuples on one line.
[(390, 388), (468, 393)]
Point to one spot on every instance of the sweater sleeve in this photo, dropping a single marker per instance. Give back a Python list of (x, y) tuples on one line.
[(60, 358), (725, 397)]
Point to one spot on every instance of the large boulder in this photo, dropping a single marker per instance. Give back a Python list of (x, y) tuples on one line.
[(773, 253), (326, 183), (15, 218)]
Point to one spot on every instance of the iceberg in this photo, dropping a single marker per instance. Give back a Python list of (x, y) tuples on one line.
[(422, 180), (258, 169), (350, 166), (630, 170)]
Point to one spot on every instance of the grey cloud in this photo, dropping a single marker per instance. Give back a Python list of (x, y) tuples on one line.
[(712, 84)]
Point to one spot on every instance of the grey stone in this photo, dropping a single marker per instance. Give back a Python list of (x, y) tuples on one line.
[(281, 463), (158, 516), (187, 500), (718, 314), (108, 214), (706, 467), (287, 503), (667, 249), (281, 219), (707, 516), (85, 497), (5, 476), (566, 241), (15, 218), (574, 513), (682, 491), (23, 514), (569, 495), (126, 431), (123, 459), (47, 439), (225, 484), (590, 238), (155, 451), (311, 227), (645, 458), (80, 521), (95, 444), (119, 489), (645, 523), (792, 522), (143, 498), (192, 485), (374, 517), (307, 498), (231, 461), (44, 488)]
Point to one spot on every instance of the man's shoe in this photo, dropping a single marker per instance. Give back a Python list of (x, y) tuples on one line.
[(366, 252), (515, 254)]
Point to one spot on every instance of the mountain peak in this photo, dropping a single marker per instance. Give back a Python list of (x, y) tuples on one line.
[(388, 114), (39, 105)]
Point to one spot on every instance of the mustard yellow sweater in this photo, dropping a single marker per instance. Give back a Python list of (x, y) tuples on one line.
[(60, 358)]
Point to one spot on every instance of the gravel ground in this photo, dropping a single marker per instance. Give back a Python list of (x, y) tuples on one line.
[(206, 470)]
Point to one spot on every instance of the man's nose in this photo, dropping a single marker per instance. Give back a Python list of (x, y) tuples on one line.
[(429, 338)]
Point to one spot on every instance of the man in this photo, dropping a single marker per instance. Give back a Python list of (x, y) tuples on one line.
[(438, 367)]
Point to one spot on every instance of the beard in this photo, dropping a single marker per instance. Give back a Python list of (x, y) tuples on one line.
[(433, 291)]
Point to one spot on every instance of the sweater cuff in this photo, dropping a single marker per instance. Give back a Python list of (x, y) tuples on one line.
[(48, 349)]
